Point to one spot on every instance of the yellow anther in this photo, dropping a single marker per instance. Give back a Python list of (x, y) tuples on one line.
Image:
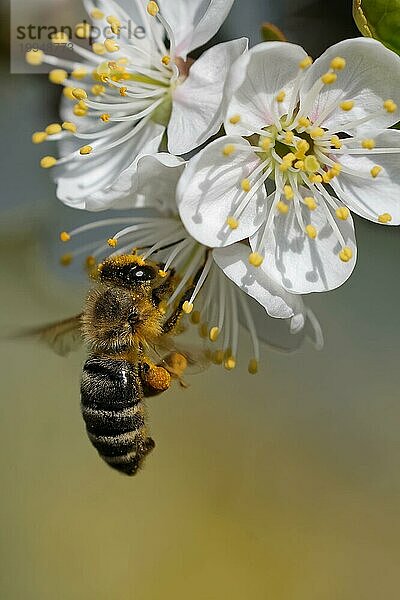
[(309, 201), (288, 191), (253, 366), (105, 117), (327, 177), (66, 260), (111, 45), (85, 150), (306, 62), (282, 207), (311, 164), (80, 110), (234, 119), (317, 132), (329, 78), (347, 105), (375, 171), (256, 259), (79, 73), (115, 24), (60, 38), (218, 357), (98, 89), (53, 129), (390, 106), (113, 19), (83, 30), (187, 307), (64, 236), (166, 60), (79, 94), (47, 162), (90, 262), (232, 222), (304, 122), (112, 242), (289, 157), (342, 213), (368, 144), (338, 63), (152, 8), (162, 273), (123, 91), (58, 76), (67, 92), (245, 185), (385, 218), (214, 333), (195, 317), (68, 126), (230, 363), (336, 169), (39, 137), (281, 96), (299, 165), (302, 148), (34, 57), (115, 28), (346, 254), (285, 166), (97, 14), (311, 232), (335, 142), (265, 143), (289, 137), (228, 149), (98, 48), (314, 178)]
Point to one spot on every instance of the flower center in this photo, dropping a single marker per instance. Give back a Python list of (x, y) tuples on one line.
[(302, 158)]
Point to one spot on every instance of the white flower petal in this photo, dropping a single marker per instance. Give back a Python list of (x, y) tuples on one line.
[(367, 196), (278, 303), (106, 180), (370, 77), (303, 265), (194, 23), (197, 103), (157, 178), (277, 333), (254, 82), (209, 190)]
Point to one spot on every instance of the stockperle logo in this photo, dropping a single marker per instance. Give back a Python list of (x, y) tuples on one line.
[(49, 31)]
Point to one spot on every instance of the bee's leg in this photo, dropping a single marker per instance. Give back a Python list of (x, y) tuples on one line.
[(164, 290), (155, 379), (172, 322)]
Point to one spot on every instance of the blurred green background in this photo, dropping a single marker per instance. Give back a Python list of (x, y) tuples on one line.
[(284, 486)]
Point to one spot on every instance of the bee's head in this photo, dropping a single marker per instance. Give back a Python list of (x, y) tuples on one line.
[(128, 271)]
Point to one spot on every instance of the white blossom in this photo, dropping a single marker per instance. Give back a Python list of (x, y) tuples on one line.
[(305, 145)]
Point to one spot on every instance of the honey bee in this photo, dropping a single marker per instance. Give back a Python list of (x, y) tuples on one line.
[(122, 323)]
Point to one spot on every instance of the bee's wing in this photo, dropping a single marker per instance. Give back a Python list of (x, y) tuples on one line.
[(62, 337), (198, 358)]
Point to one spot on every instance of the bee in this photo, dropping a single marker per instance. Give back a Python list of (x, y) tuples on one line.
[(122, 323)]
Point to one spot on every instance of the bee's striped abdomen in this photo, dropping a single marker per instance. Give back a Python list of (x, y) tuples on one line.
[(112, 407)]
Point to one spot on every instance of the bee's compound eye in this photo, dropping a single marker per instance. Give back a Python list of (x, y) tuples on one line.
[(141, 274), (127, 274)]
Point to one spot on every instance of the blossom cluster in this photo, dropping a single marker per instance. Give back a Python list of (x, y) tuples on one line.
[(251, 159)]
